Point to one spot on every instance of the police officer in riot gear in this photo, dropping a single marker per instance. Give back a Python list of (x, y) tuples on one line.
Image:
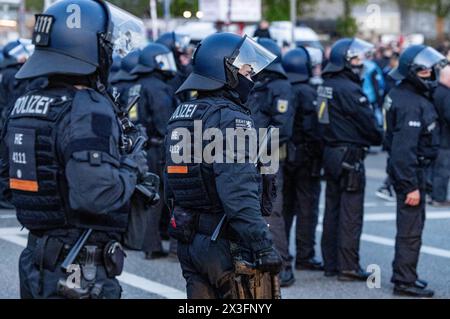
[(179, 45), (412, 142), (203, 191), (303, 167), (62, 157), (122, 81), (155, 68), (271, 105), (15, 54), (348, 126)]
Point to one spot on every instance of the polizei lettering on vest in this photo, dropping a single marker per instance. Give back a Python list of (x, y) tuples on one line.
[(184, 111), (32, 105)]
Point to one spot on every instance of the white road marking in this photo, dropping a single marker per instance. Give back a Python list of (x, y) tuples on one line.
[(429, 250), (8, 216), (371, 204), (15, 236), (392, 216)]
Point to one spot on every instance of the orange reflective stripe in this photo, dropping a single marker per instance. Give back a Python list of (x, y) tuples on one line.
[(177, 169), (21, 185)]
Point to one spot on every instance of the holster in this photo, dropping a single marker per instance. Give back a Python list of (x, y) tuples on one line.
[(333, 158)]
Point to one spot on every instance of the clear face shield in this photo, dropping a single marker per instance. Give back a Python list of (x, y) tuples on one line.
[(430, 60), (251, 58), (128, 32), (316, 57), (166, 62), (361, 50), (22, 51), (182, 42)]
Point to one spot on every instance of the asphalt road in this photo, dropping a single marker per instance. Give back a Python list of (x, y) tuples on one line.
[(162, 278)]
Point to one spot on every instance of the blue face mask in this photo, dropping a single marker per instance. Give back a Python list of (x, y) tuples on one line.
[(244, 87)]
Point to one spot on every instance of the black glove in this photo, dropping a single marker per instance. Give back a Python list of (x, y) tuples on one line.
[(269, 260), (148, 187), (269, 194)]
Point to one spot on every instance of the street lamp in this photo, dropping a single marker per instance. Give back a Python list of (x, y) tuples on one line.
[(187, 14)]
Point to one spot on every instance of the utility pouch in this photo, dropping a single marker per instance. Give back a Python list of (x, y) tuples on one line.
[(47, 252), (355, 177), (183, 225), (113, 258)]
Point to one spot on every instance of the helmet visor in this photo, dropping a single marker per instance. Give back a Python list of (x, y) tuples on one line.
[(360, 49), (315, 55), (128, 31), (166, 62), (22, 51), (429, 58), (252, 54), (182, 42)]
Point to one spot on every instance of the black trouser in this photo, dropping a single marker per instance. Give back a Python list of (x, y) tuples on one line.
[(441, 175), (207, 267), (342, 225), (35, 286), (301, 200), (277, 225), (410, 225)]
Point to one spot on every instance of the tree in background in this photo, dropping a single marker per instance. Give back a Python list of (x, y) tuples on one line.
[(440, 8), (279, 10), (346, 25)]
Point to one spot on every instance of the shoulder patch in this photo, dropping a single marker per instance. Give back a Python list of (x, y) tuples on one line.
[(243, 123), (282, 106), (32, 105), (325, 92)]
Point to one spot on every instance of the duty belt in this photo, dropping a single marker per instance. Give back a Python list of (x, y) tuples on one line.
[(81, 258)]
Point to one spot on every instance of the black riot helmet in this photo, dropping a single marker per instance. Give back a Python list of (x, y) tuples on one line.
[(345, 50), (78, 38), (418, 58), (175, 42), (155, 57), (128, 63), (299, 63), (218, 59), (276, 66)]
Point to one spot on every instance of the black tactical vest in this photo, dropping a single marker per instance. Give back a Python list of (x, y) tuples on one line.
[(37, 168), (192, 184)]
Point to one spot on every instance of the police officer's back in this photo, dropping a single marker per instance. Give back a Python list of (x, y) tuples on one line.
[(349, 128), (156, 66), (15, 54), (121, 82), (179, 45), (412, 141), (271, 104), (302, 170), (441, 169), (62, 157), (202, 191)]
